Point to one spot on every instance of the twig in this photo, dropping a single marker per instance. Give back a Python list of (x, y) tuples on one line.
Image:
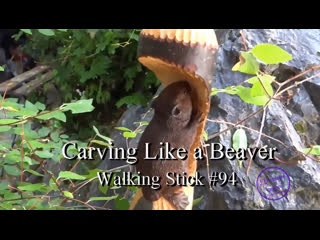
[(36, 203), (17, 199), (22, 153), (238, 123), (207, 162), (297, 84), (262, 125), (34, 156), (259, 137), (84, 203), (21, 192), (244, 42), (30, 118), (75, 165), (4, 96), (312, 69), (251, 129), (264, 88)]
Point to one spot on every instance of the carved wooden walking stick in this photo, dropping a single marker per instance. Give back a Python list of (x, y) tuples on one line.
[(175, 55)]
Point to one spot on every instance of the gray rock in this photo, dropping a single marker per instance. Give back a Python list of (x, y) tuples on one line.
[(280, 124)]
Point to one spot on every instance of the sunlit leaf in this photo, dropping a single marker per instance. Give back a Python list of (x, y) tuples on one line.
[(271, 54), (80, 106), (68, 194), (28, 31), (71, 175), (102, 198), (315, 150), (47, 32)]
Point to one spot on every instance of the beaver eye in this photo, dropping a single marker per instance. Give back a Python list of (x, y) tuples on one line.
[(175, 111)]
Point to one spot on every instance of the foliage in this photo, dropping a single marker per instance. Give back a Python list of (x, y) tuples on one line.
[(314, 150), (34, 146), (261, 91), (240, 141), (98, 64)]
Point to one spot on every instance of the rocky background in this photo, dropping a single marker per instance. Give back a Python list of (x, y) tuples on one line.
[(296, 124)]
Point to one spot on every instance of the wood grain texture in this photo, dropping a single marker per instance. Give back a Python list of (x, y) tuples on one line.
[(175, 55), (15, 82)]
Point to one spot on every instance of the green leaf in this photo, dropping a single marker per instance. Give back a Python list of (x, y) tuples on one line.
[(6, 206), (257, 88), (271, 54), (245, 94), (36, 144), (103, 189), (11, 195), (71, 175), (34, 172), (80, 106), (197, 201), (4, 146), (236, 67), (214, 91), (123, 129), (232, 90), (4, 128), (43, 132), (257, 94), (92, 173), (62, 30), (239, 139), (315, 150), (31, 107), (56, 114), (1, 69), (30, 161), (4, 184), (13, 156), (68, 194), (55, 136), (32, 201), (23, 112), (101, 143), (102, 198), (40, 106), (10, 104), (135, 99), (44, 154), (47, 32), (142, 123), (248, 63), (53, 185), (28, 133), (33, 187), (12, 170), (129, 134), (205, 135), (7, 121), (109, 140), (122, 204), (28, 31)]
